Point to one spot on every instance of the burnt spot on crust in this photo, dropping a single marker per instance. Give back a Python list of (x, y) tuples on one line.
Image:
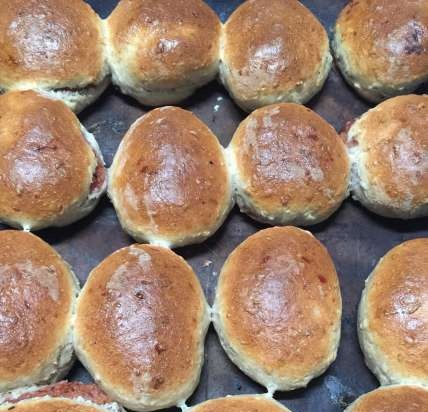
[(64, 389)]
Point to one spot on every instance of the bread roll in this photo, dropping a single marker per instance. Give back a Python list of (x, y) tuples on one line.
[(60, 397), (388, 147), (381, 46), (289, 166), (278, 308), (161, 51), (37, 299), (395, 398), (140, 327), (273, 51), (169, 180), (393, 315), (51, 169), (245, 403), (55, 46)]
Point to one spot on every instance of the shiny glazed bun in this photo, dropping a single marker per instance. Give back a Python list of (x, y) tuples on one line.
[(55, 46), (51, 169), (169, 181), (381, 46), (140, 327), (278, 308), (161, 51), (273, 51), (289, 166), (388, 147), (393, 315)]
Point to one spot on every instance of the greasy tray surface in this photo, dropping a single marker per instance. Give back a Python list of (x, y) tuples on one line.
[(355, 238)]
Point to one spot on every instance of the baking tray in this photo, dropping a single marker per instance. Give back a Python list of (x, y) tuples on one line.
[(355, 237)]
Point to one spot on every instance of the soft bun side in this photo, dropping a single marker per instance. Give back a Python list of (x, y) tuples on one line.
[(161, 51)]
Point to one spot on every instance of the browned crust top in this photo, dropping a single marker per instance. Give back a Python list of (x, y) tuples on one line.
[(279, 291), (55, 43)]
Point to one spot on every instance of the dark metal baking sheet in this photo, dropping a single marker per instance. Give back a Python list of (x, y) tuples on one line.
[(355, 238)]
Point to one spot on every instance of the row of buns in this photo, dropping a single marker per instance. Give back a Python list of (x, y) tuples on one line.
[(66, 396), (161, 51), (172, 183), (139, 323)]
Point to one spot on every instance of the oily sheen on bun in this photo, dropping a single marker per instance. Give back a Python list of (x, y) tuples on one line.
[(38, 293), (54, 46), (140, 327), (51, 169), (161, 51)]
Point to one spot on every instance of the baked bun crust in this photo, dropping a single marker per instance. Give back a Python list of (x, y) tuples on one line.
[(393, 315), (245, 403), (388, 147), (140, 327), (60, 397), (51, 170), (381, 47), (169, 180), (396, 398), (38, 293), (289, 166), (261, 308), (161, 51), (53, 45), (273, 51)]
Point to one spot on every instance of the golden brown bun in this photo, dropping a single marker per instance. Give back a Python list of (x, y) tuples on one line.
[(278, 308), (289, 165), (381, 46), (245, 403), (395, 398), (37, 295), (140, 327), (388, 147), (160, 51), (273, 51), (48, 163), (393, 315), (52, 45), (60, 397), (169, 182)]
